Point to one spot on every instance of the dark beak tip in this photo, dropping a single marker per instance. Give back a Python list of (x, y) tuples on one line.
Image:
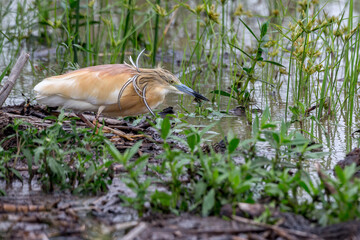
[(200, 97), (203, 98), (190, 91)]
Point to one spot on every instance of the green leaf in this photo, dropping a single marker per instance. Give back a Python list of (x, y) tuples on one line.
[(17, 174), (113, 150), (89, 172), (200, 189), (5, 71), (222, 93), (29, 158), (304, 186), (273, 63), (161, 199), (233, 144), (340, 173), (207, 128), (255, 126), (83, 49), (129, 153), (243, 53), (193, 139), (268, 125), (208, 203), (165, 128), (349, 171), (276, 137), (264, 29), (56, 168), (248, 28), (265, 117)]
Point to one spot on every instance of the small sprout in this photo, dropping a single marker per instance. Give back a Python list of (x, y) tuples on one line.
[(283, 71)]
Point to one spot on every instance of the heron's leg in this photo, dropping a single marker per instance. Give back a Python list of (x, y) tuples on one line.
[(100, 110), (108, 129)]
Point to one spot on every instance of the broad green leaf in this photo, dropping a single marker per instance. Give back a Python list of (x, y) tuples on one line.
[(208, 203), (264, 29), (165, 128), (17, 174), (89, 172), (200, 188), (265, 116), (233, 144), (193, 139), (340, 173), (113, 150), (276, 137), (255, 126), (161, 198)]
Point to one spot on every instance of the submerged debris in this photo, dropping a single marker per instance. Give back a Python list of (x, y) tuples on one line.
[(352, 157)]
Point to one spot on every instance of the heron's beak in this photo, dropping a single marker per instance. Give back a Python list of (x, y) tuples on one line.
[(187, 90)]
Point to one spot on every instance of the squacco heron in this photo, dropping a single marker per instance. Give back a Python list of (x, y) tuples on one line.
[(112, 90)]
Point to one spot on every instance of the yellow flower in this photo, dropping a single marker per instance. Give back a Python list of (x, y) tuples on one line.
[(199, 8), (283, 71), (239, 10), (213, 15), (161, 11)]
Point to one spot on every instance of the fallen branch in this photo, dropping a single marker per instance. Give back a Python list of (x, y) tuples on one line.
[(283, 232), (15, 72), (135, 231), (8, 207)]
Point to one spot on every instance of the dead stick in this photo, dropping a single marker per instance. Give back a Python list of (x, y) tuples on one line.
[(135, 231), (279, 230), (15, 72)]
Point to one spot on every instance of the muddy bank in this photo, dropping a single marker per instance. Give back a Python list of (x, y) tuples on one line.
[(30, 211)]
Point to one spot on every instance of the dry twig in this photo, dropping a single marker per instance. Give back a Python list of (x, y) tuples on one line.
[(15, 72)]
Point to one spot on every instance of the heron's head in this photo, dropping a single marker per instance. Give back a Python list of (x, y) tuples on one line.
[(168, 81)]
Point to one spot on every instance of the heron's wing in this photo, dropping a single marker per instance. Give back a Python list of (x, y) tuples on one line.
[(97, 85), (132, 104)]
